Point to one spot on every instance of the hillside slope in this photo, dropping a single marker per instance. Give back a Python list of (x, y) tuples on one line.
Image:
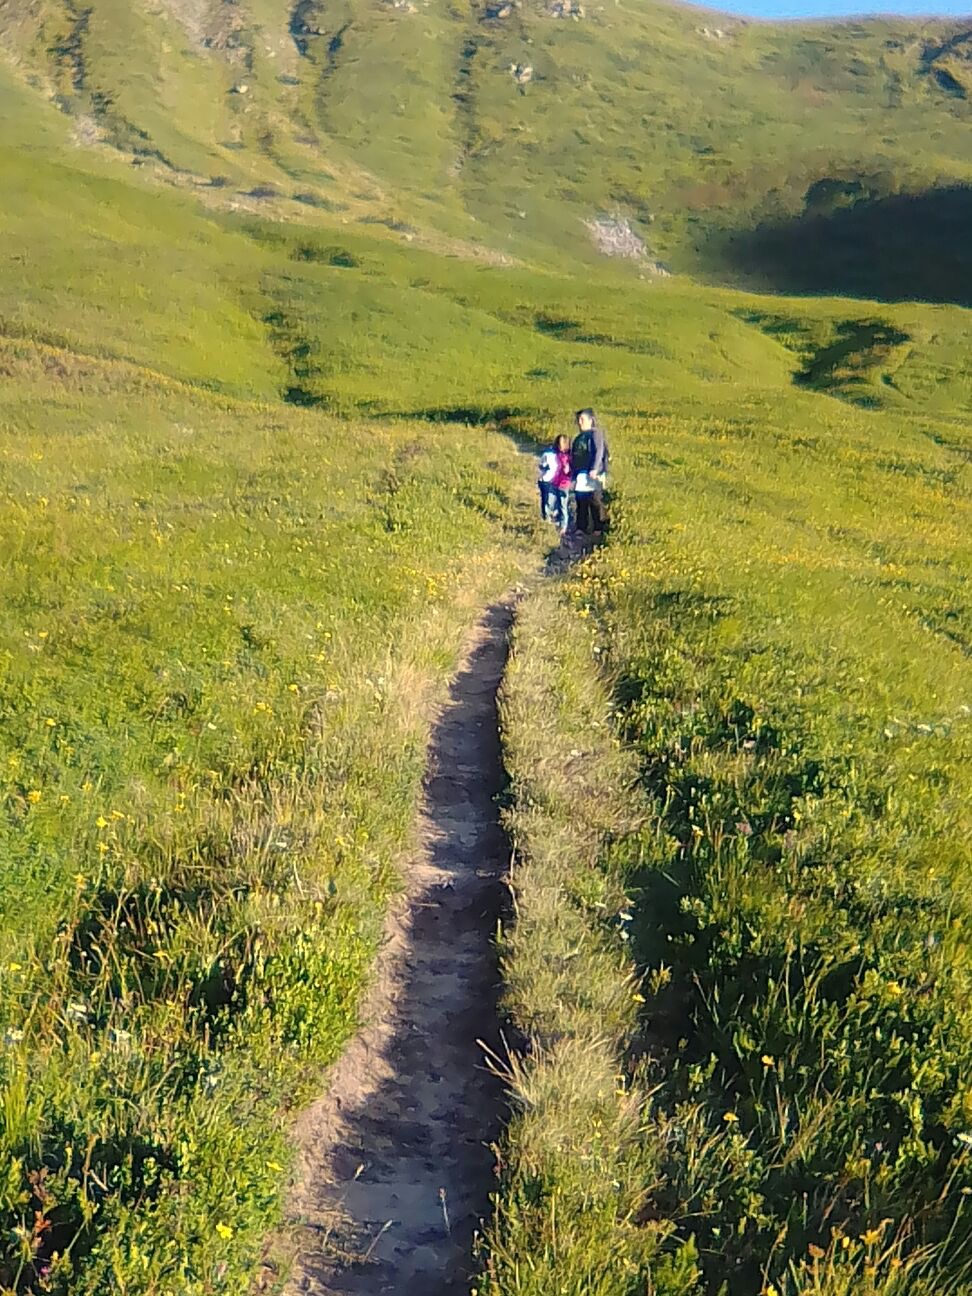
[(284, 292), (510, 125)]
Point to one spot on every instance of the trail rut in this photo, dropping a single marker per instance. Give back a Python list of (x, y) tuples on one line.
[(396, 1164)]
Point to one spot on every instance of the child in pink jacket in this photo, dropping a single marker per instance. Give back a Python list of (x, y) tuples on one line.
[(558, 488)]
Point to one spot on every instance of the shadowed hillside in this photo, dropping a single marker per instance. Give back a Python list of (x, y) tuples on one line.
[(903, 247)]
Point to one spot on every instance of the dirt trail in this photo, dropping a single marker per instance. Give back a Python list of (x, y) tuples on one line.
[(396, 1166)]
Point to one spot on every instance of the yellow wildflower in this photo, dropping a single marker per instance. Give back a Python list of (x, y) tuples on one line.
[(731, 1118), (34, 795)]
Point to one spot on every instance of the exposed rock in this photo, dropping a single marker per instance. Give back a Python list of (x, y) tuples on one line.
[(521, 73), (614, 237), (213, 24), (86, 130), (712, 33), (566, 9)]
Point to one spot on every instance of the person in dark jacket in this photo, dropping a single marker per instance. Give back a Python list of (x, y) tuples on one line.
[(589, 462)]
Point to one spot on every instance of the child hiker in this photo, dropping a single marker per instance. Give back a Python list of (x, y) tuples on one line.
[(559, 485), (546, 471)]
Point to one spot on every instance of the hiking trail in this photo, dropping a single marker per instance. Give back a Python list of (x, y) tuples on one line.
[(395, 1162)]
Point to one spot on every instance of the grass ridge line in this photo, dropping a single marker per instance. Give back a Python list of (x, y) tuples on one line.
[(11, 343)]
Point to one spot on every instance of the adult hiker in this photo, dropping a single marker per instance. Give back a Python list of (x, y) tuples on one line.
[(589, 461)]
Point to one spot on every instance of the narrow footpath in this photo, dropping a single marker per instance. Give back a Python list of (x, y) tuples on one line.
[(396, 1164)]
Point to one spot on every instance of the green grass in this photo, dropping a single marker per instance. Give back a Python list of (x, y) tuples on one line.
[(795, 673), (577, 1171), (227, 624), (272, 323), (133, 276), (410, 116), (783, 618)]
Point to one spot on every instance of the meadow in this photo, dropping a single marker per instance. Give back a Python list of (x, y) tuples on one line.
[(265, 382), (699, 128), (781, 618), (226, 625)]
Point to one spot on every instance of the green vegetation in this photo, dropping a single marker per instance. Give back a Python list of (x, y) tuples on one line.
[(793, 668), (782, 617), (698, 128), (578, 1174), (282, 289), (226, 624)]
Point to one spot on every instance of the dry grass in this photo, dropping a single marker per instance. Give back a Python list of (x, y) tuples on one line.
[(577, 1169)]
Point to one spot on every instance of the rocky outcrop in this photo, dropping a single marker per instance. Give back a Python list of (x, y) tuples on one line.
[(614, 237), (213, 24), (565, 9)]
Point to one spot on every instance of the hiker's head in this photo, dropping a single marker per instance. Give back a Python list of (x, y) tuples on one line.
[(585, 419), (562, 442)]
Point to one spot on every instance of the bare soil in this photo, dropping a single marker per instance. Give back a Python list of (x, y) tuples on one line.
[(397, 1160)]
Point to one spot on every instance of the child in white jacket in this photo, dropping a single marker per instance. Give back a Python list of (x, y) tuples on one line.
[(546, 472)]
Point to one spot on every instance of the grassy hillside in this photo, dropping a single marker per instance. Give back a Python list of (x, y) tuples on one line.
[(691, 125), (225, 625), (282, 291), (779, 633)]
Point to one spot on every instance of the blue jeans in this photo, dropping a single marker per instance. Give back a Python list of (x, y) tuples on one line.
[(560, 508), (546, 499)]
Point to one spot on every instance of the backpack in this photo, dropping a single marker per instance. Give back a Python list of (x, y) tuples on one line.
[(582, 452)]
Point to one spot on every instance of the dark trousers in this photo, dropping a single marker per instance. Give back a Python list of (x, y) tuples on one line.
[(590, 511), (546, 499)]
